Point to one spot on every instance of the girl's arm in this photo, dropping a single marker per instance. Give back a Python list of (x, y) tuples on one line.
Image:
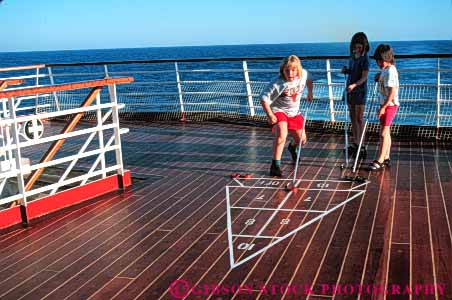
[(310, 88), (271, 118), (392, 91), (361, 81)]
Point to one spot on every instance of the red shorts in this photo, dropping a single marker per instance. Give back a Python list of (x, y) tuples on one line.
[(293, 123), (389, 115)]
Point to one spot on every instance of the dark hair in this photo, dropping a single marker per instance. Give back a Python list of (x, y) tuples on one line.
[(359, 38), (384, 52)]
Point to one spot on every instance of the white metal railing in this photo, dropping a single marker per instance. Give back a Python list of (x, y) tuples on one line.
[(93, 148), (233, 85)]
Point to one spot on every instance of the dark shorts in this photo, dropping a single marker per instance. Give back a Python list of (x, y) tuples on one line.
[(356, 98), (293, 123), (389, 115)]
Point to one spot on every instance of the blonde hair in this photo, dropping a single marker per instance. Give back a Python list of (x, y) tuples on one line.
[(289, 61)]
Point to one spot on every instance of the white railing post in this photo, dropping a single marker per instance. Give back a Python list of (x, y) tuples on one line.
[(37, 84), (52, 82), (17, 152), (117, 133), (101, 136), (438, 96), (330, 89), (107, 75), (248, 89), (179, 91)]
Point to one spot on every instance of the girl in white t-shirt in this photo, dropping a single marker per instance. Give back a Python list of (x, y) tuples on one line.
[(388, 87), (281, 102)]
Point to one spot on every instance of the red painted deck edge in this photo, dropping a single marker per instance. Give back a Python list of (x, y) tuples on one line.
[(73, 196), (46, 205), (9, 217)]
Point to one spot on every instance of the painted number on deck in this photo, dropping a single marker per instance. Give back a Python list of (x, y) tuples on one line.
[(245, 246), (274, 183), (322, 185), (285, 221), (250, 221)]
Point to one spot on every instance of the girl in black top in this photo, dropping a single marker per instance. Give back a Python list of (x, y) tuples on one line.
[(357, 70)]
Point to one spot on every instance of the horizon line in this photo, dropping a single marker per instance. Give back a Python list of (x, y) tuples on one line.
[(210, 45)]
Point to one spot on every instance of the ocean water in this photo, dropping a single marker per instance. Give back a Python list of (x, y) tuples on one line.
[(8, 59), (262, 50), (408, 74)]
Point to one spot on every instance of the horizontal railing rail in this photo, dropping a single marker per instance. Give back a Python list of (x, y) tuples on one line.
[(235, 59)]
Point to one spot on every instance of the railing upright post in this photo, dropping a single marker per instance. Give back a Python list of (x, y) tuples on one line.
[(37, 84), (100, 135), (330, 89), (17, 152), (438, 96), (117, 133), (52, 82), (248, 89), (179, 91), (107, 75)]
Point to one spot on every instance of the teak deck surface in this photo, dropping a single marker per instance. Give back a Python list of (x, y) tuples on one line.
[(170, 229)]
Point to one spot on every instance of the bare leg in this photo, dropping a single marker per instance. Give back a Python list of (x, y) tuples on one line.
[(388, 152), (280, 140), (385, 143), (351, 110), (297, 135), (358, 123)]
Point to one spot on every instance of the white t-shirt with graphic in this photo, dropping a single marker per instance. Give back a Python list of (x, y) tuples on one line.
[(284, 96), (389, 77)]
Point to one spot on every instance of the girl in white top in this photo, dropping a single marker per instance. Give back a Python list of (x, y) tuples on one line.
[(388, 87), (281, 102)]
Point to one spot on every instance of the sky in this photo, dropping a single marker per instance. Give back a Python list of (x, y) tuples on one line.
[(35, 25)]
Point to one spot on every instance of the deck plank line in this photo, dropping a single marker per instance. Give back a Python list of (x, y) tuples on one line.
[(411, 218), (54, 250), (371, 235), (325, 252), (344, 260), (424, 168), (57, 230), (348, 245), (443, 198), (262, 255), (144, 204), (435, 280), (187, 248), (218, 256), (151, 247), (289, 242), (391, 226), (93, 262), (323, 296), (255, 264)]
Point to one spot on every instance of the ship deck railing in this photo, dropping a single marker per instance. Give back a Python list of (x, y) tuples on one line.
[(55, 144), (219, 87)]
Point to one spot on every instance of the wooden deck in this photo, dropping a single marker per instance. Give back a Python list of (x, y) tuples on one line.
[(170, 228)]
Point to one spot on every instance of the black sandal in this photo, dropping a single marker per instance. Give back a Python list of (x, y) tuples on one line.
[(376, 166), (387, 162)]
